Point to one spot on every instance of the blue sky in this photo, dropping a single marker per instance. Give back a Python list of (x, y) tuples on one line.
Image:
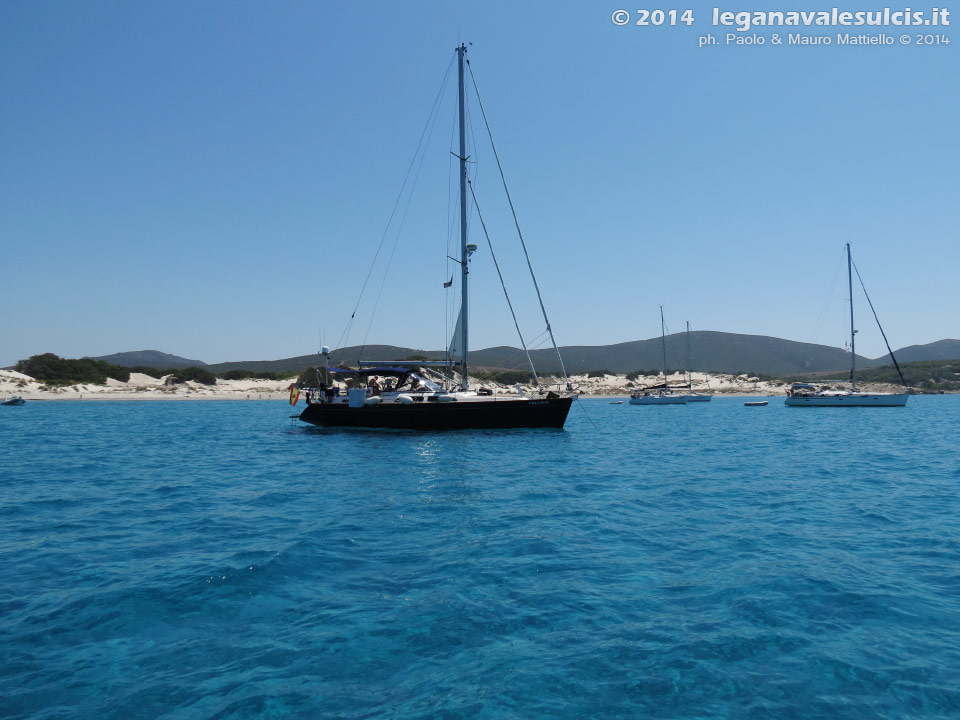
[(213, 179)]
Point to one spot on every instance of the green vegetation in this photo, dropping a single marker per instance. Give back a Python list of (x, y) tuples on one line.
[(250, 375), (151, 371), (311, 377), (54, 370), (598, 373), (927, 375), (177, 376), (631, 376), (196, 374)]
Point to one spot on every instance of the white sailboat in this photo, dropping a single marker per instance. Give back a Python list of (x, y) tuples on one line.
[(809, 395), (659, 396)]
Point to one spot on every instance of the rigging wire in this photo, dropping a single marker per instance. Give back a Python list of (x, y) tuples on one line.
[(403, 218), (595, 426), (476, 205), (472, 141), (822, 316), (673, 349), (516, 220), (346, 332), (676, 357), (537, 340), (450, 230), (472, 152), (897, 366)]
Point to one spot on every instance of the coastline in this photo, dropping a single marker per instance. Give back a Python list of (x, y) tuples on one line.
[(130, 397), (608, 387), (143, 387)]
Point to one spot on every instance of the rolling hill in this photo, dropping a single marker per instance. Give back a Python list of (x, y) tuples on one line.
[(150, 358), (939, 350), (710, 351)]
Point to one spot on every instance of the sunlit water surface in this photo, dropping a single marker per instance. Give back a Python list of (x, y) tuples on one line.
[(219, 560)]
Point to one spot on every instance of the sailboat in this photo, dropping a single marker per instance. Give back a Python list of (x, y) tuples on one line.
[(409, 397), (692, 396), (659, 396), (809, 395)]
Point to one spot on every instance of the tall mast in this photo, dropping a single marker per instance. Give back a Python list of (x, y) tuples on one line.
[(853, 347), (464, 271), (663, 342), (689, 359)]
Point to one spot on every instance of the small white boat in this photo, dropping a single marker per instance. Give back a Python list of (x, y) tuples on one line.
[(657, 398), (615, 402), (755, 403)]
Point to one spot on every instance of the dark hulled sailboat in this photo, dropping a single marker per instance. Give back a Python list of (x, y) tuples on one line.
[(411, 400)]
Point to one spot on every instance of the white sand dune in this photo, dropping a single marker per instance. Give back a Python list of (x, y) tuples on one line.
[(143, 387)]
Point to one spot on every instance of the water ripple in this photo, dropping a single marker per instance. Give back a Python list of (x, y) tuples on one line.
[(215, 560)]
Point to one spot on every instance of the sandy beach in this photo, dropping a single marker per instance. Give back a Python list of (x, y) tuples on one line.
[(144, 387)]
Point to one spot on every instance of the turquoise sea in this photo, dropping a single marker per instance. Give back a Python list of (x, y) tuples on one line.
[(219, 560)]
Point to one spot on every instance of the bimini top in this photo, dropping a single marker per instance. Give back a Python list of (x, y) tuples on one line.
[(803, 386), (383, 370)]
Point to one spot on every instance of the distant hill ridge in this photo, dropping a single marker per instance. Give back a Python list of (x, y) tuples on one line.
[(709, 351), (150, 358), (939, 350)]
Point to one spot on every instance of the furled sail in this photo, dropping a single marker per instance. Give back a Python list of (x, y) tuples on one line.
[(455, 351)]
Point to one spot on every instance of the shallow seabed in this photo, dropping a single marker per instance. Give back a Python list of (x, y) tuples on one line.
[(219, 560)]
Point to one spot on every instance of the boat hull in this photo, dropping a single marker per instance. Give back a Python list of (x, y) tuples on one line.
[(698, 398), (659, 400), (852, 400), (477, 415)]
